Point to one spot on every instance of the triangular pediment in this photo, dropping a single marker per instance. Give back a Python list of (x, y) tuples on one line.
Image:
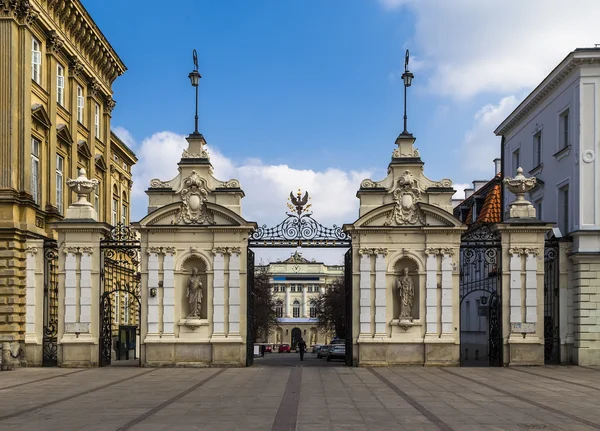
[(425, 215), (100, 163), (64, 134), (84, 149), (39, 114)]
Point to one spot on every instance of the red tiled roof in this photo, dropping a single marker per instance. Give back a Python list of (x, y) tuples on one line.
[(491, 212)]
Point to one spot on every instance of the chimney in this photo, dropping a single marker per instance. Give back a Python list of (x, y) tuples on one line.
[(498, 164), (468, 193), (479, 184)]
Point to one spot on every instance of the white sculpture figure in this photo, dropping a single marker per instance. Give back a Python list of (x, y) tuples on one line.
[(406, 292), (278, 337), (194, 294)]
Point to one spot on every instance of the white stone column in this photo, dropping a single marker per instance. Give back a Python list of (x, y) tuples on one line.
[(286, 312), (30, 307), (515, 285), (234, 292), (531, 285), (70, 284), (431, 298), (152, 316), (169, 291), (219, 292), (380, 293), (365, 292), (447, 291), (304, 307), (85, 285)]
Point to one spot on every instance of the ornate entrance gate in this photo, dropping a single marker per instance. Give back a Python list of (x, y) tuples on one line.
[(120, 301), (480, 298), (551, 300), (49, 350), (299, 229)]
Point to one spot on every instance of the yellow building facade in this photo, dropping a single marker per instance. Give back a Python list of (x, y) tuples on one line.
[(56, 102)]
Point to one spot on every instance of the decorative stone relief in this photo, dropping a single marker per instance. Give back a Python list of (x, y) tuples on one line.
[(231, 184), (369, 184), (397, 154), (31, 250), (406, 196), (235, 250), (155, 183), (523, 251), (366, 251), (110, 105), (219, 250), (193, 202), (94, 87), (203, 155), (406, 294), (170, 250), (55, 43), (380, 251)]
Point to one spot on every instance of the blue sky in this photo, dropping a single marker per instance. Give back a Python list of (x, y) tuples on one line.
[(308, 93)]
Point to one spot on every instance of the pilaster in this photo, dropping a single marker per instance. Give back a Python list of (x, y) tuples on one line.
[(234, 293), (431, 297), (516, 314), (33, 253), (380, 293), (365, 292), (219, 292), (168, 317), (447, 325), (153, 284)]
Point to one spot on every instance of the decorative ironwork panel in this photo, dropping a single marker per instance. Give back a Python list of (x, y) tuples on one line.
[(551, 303), (299, 229), (480, 279), (49, 342), (348, 316), (120, 278), (250, 309)]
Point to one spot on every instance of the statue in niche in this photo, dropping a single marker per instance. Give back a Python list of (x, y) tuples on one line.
[(406, 292), (313, 339), (194, 294), (278, 337)]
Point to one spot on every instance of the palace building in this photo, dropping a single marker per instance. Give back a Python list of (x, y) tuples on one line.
[(56, 102), (295, 281)]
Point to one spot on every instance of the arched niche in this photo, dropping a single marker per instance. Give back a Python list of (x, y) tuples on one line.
[(181, 279), (417, 281)]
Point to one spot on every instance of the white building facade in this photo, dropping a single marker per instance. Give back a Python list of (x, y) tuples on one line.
[(553, 135)]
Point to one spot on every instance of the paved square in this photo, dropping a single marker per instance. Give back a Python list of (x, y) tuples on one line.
[(302, 398)]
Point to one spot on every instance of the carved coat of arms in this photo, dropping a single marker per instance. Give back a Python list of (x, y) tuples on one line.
[(193, 202), (406, 196)]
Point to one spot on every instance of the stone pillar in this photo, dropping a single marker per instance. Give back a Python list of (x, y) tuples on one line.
[(380, 293), (234, 293), (516, 315), (447, 325), (33, 253), (168, 317), (85, 285), (71, 294), (431, 296), (219, 293), (531, 299), (565, 301), (153, 284), (365, 292)]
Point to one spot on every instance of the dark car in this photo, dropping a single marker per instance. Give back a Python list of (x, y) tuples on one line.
[(336, 351), (322, 351), (284, 348), (268, 348)]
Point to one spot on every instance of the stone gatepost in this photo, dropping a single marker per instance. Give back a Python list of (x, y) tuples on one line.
[(79, 236), (523, 239), (34, 301)]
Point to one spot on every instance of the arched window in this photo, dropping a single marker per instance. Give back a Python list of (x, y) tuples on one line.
[(296, 307), (313, 312), (115, 206), (124, 209), (279, 310)]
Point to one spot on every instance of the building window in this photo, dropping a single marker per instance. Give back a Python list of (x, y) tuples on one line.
[(117, 310), (124, 209), (537, 149), (293, 288), (97, 201), (60, 85), (313, 312), (538, 209), (275, 288), (299, 288), (564, 209), (564, 129), (97, 121), (60, 166), (35, 170), (80, 104), (296, 309), (282, 288), (115, 206), (516, 161), (126, 309), (279, 310), (36, 61)]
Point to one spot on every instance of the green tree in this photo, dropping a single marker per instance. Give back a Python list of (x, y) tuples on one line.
[(330, 307), (264, 317)]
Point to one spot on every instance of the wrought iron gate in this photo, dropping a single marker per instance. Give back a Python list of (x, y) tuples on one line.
[(348, 311), (480, 282), (551, 303), (49, 347), (119, 277), (250, 309)]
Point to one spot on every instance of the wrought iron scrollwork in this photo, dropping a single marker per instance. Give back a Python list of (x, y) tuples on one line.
[(50, 331), (299, 229), (122, 234), (551, 303)]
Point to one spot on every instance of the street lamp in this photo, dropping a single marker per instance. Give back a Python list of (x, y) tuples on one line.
[(195, 80), (407, 77)]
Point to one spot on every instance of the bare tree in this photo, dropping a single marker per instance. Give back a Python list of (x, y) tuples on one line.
[(264, 317), (330, 307)]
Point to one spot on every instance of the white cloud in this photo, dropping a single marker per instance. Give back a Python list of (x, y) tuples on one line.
[(460, 190), (480, 146), (474, 46), (124, 135), (267, 187)]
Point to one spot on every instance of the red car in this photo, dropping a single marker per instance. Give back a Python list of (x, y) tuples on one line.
[(284, 348), (268, 348)]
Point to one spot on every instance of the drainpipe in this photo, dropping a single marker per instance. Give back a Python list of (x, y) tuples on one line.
[(502, 171)]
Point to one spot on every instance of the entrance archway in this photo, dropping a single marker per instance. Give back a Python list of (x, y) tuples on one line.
[(299, 229)]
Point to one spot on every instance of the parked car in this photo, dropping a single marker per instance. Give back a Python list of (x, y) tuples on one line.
[(337, 351), (338, 341), (284, 348), (268, 349), (322, 352)]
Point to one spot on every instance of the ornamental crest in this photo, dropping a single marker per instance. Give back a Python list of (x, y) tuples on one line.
[(193, 202), (406, 196)]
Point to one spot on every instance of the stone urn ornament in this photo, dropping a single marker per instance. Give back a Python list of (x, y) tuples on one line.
[(82, 208), (519, 185)]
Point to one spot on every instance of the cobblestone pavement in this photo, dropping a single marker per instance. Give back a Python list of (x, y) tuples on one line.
[(300, 398)]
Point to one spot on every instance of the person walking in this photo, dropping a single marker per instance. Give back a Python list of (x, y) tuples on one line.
[(302, 347)]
